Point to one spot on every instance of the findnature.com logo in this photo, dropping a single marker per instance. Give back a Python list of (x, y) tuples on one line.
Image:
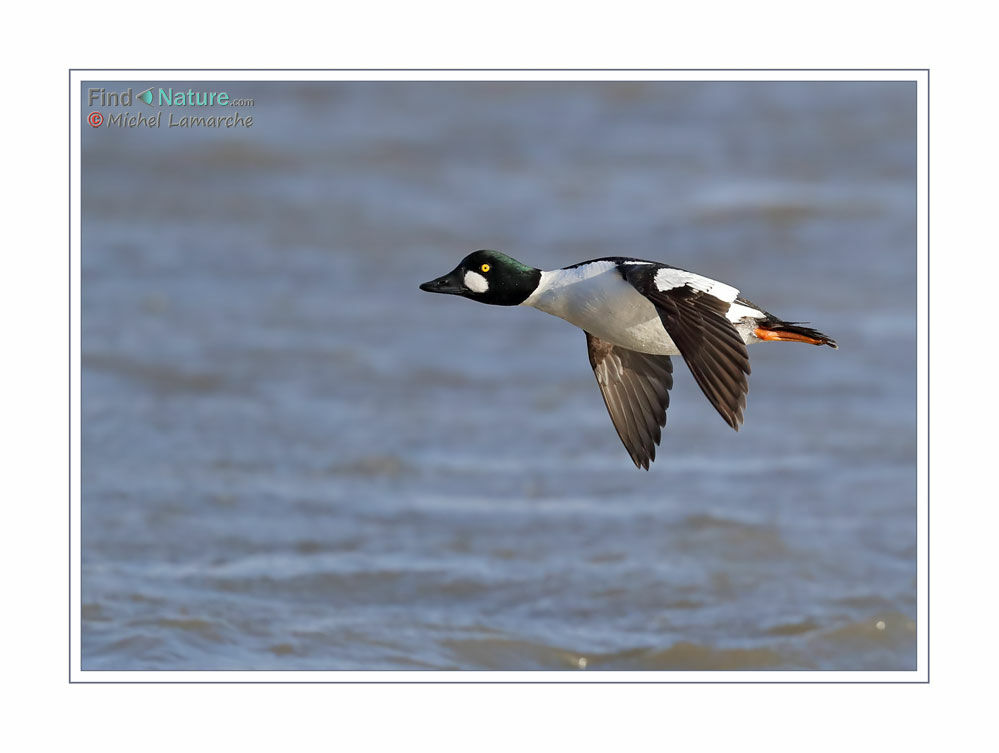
[(166, 97)]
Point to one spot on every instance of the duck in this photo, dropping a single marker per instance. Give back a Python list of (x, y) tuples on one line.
[(637, 315)]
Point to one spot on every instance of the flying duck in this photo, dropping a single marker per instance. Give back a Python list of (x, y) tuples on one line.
[(636, 314)]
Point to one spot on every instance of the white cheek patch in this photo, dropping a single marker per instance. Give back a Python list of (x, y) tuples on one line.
[(667, 279), (476, 282)]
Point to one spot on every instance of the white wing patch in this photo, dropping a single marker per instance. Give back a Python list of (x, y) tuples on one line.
[(667, 279), (737, 312), (476, 282)]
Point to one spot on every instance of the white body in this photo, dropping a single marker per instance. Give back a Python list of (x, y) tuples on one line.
[(598, 300)]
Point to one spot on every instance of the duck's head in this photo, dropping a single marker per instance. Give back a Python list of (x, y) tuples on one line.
[(488, 277)]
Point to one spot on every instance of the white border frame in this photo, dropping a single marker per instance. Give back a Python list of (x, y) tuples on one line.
[(76, 121)]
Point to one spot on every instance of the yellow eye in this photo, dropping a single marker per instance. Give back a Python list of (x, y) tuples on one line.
[(484, 267)]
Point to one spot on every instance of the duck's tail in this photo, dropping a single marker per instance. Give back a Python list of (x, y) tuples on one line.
[(777, 330)]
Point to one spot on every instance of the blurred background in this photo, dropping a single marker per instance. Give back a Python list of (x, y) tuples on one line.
[(295, 459)]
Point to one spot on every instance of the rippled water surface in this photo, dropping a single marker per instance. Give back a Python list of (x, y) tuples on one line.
[(294, 459)]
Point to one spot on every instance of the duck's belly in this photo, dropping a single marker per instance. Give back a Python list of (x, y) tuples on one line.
[(609, 308), (635, 327)]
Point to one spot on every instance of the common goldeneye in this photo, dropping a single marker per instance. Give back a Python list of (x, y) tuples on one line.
[(636, 314)]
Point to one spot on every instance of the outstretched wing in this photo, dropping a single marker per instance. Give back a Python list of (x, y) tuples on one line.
[(693, 311), (635, 387)]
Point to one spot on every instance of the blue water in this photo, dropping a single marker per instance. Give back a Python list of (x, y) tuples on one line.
[(295, 459)]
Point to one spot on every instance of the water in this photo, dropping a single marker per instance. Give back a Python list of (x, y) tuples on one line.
[(295, 459)]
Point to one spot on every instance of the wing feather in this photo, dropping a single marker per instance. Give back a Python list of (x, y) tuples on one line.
[(635, 387), (710, 344)]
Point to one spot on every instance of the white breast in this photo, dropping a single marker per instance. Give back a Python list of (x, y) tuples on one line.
[(595, 298)]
